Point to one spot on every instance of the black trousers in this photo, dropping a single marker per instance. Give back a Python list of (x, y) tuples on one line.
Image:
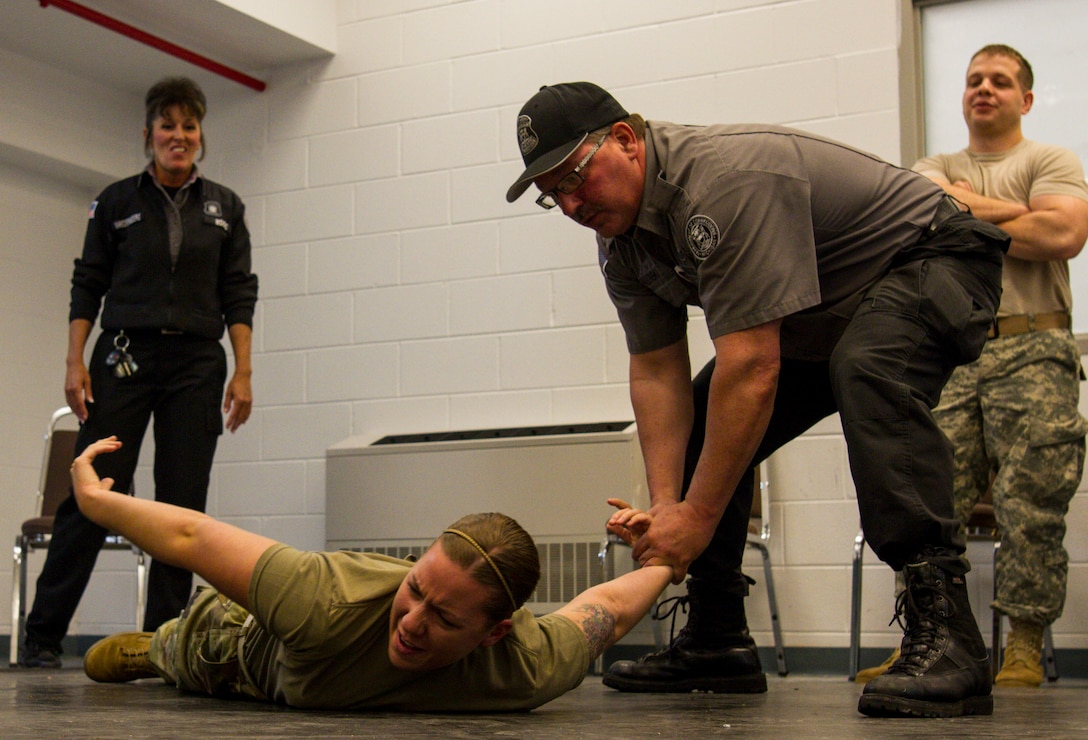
[(179, 381), (884, 377)]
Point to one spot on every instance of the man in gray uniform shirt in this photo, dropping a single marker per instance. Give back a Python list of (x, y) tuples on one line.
[(831, 281)]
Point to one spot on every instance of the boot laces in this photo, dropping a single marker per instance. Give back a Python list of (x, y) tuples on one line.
[(668, 608), (134, 656), (924, 621)]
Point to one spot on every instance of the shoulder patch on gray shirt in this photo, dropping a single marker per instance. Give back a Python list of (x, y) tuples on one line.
[(702, 236)]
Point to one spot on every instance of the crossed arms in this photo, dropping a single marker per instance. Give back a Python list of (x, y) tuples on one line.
[(1050, 227)]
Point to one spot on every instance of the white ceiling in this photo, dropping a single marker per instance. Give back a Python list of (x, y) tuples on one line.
[(57, 38)]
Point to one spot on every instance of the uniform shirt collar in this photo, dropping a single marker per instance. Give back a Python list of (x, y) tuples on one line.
[(148, 175), (657, 192)]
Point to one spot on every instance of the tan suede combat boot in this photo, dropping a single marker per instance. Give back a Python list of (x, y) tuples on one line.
[(1022, 665), (121, 657), (866, 675)]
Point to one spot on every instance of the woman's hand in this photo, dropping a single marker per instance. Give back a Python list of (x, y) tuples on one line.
[(238, 401), (77, 389), (86, 484), (628, 523)]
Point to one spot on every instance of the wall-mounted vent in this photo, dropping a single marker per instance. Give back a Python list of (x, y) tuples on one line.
[(395, 494), (504, 433), (566, 569)]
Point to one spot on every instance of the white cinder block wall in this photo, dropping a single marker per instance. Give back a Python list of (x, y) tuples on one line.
[(401, 293)]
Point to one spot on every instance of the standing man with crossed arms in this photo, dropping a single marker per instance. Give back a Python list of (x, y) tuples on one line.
[(1013, 412)]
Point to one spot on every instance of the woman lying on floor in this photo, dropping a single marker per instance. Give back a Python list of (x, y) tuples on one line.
[(349, 630)]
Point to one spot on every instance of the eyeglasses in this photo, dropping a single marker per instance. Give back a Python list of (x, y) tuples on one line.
[(570, 182)]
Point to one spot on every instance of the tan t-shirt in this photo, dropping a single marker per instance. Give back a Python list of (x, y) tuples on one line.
[(1027, 170), (321, 640)]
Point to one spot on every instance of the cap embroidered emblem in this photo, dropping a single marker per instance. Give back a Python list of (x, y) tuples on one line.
[(527, 138), (702, 235)]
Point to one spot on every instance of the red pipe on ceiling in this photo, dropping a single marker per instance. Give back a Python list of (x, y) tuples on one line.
[(154, 41)]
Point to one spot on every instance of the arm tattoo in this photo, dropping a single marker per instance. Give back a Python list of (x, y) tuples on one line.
[(599, 625)]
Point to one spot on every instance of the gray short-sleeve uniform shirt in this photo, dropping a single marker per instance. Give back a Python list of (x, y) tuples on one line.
[(757, 223)]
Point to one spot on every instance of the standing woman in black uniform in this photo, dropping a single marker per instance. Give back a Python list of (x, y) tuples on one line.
[(169, 252)]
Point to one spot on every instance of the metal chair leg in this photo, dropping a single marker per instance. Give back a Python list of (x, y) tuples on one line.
[(1050, 664), (608, 572), (18, 596), (776, 626), (855, 605), (997, 654), (141, 586)]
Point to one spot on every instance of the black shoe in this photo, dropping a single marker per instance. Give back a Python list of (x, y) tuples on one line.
[(730, 666), (675, 669), (40, 656), (943, 669)]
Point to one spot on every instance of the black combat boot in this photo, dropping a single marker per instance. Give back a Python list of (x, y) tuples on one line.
[(713, 652), (943, 669)]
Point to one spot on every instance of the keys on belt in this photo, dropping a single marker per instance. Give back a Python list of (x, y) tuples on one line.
[(1006, 326)]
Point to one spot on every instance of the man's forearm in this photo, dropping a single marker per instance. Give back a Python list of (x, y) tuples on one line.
[(1055, 229), (984, 208), (661, 396), (1051, 227), (747, 391)]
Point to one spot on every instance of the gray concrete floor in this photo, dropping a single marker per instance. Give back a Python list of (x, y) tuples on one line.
[(65, 703)]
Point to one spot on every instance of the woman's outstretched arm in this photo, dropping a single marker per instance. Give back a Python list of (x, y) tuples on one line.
[(221, 554)]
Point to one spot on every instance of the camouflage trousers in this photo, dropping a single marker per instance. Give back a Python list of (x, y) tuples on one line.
[(1012, 417), (199, 651)]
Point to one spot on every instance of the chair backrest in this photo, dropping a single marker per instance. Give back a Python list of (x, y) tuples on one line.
[(982, 522), (988, 497), (56, 481)]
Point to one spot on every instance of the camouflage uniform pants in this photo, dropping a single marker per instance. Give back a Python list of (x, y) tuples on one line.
[(199, 651), (1013, 414)]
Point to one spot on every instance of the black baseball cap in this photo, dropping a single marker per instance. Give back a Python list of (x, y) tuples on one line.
[(555, 122)]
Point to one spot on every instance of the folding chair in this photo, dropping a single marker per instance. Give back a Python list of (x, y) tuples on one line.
[(53, 488)]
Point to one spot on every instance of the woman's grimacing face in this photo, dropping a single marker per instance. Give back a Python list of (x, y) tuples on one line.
[(437, 616)]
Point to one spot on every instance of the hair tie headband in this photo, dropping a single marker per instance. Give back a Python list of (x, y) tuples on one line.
[(490, 562)]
